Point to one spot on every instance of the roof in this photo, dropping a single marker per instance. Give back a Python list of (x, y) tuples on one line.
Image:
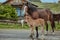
[(17, 2), (7, 1), (14, 2)]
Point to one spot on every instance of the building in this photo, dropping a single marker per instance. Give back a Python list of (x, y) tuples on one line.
[(18, 4)]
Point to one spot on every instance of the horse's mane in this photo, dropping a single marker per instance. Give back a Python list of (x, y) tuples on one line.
[(31, 9)]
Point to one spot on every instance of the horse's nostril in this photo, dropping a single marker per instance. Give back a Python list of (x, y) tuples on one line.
[(25, 22)]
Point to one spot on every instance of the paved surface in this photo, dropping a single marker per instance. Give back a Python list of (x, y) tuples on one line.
[(24, 35)]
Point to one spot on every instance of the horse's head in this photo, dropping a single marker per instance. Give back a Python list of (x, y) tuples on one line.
[(27, 17), (29, 8)]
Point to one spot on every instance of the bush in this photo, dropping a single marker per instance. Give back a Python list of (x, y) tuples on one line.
[(7, 12)]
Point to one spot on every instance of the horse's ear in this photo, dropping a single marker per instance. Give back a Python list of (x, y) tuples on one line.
[(26, 3), (34, 5)]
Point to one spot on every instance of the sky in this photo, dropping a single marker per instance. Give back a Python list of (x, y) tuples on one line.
[(52, 1), (2, 1)]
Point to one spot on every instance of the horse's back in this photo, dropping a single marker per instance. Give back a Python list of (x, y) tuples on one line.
[(44, 13)]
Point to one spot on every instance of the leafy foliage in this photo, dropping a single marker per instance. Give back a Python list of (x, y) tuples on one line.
[(7, 12)]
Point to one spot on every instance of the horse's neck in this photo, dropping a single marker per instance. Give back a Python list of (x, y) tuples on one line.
[(32, 9), (30, 20)]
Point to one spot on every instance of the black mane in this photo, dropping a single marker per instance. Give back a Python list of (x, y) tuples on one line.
[(31, 9)]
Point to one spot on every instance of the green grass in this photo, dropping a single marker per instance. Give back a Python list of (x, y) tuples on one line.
[(43, 5), (12, 26), (55, 7), (57, 26), (19, 26)]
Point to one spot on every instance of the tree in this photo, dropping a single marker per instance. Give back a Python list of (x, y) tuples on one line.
[(7, 12)]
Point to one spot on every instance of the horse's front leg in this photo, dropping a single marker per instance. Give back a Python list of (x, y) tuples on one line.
[(36, 32), (46, 27), (42, 32), (32, 31)]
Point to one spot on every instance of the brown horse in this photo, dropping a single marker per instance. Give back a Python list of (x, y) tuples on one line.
[(34, 23), (56, 17), (36, 13)]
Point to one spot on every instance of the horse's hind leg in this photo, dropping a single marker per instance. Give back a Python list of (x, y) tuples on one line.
[(36, 32), (52, 25), (46, 27)]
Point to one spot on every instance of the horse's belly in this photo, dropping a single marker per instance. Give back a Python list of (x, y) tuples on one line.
[(36, 24)]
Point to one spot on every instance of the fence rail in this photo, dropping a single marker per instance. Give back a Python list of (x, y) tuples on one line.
[(10, 21)]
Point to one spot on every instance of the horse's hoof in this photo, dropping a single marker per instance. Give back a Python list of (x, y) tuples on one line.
[(53, 33), (37, 36), (46, 33), (42, 37), (31, 36)]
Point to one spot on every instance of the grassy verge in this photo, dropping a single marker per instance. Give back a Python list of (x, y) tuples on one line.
[(19, 26), (54, 7), (12, 26)]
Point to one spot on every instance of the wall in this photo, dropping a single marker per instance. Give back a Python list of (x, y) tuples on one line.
[(20, 12)]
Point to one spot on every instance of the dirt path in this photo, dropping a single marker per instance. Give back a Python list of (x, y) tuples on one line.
[(12, 34)]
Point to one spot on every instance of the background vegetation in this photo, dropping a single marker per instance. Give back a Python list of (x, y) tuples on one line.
[(7, 12), (54, 7), (19, 26)]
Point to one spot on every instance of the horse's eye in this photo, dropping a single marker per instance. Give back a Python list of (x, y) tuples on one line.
[(26, 15)]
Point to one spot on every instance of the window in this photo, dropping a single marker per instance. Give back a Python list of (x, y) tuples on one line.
[(20, 12)]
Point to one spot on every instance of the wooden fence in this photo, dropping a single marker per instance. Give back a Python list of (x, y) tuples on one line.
[(10, 21)]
